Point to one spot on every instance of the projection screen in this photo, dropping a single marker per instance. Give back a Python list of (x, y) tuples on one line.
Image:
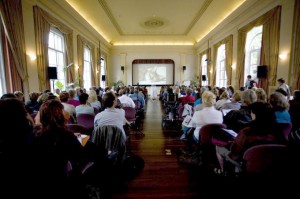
[(153, 72)]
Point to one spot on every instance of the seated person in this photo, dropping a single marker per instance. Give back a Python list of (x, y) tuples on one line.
[(207, 115), (295, 110), (84, 107), (261, 130), (238, 119), (125, 100), (281, 107), (111, 115), (224, 98), (235, 104), (188, 98)]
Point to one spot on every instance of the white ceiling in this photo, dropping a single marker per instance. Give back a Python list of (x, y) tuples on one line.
[(171, 22)]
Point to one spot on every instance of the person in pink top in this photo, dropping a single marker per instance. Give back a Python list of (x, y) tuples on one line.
[(72, 100), (188, 98)]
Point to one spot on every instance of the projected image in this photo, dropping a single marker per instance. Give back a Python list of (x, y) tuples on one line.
[(156, 75), (153, 74)]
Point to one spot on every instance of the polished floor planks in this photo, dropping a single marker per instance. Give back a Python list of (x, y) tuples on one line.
[(163, 176)]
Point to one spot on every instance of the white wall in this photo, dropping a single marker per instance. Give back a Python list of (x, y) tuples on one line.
[(183, 55)]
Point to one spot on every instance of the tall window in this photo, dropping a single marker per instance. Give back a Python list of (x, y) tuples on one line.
[(102, 72), (204, 69), (221, 79), (2, 72), (87, 67), (56, 55), (252, 49)]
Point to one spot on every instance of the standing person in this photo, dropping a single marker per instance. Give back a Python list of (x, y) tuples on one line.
[(247, 84), (250, 83), (285, 87)]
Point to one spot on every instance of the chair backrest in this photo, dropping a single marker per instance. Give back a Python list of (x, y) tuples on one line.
[(130, 114), (78, 128), (207, 132), (86, 120), (265, 158), (285, 129), (111, 138)]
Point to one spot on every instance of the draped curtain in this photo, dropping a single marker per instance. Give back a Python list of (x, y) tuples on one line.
[(296, 49), (14, 44), (81, 42), (269, 50), (228, 41), (42, 22)]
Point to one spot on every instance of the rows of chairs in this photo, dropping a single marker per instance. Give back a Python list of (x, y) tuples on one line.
[(258, 160)]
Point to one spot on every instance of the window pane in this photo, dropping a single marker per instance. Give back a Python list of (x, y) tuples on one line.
[(56, 57), (60, 59), (51, 40), (58, 45), (52, 57), (60, 72), (252, 55)]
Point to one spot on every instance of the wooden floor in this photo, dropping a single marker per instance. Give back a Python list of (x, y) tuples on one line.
[(163, 175)]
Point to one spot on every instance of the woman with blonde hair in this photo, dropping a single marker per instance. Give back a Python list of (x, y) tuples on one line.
[(261, 95), (207, 115), (93, 100)]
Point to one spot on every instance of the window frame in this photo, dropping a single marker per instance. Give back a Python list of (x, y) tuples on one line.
[(58, 54), (249, 67), (87, 78), (221, 80)]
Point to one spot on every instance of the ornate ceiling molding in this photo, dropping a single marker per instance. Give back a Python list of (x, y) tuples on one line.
[(154, 23)]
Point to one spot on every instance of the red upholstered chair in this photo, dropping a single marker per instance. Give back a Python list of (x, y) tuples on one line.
[(131, 116), (285, 129), (86, 120), (208, 148), (78, 128), (208, 131), (265, 159)]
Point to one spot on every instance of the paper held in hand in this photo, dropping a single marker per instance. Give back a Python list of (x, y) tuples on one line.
[(187, 121), (231, 132)]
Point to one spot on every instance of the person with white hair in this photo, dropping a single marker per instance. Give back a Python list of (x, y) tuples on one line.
[(207, 115)]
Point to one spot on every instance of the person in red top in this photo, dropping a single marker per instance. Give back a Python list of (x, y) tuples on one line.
[(188, 98)]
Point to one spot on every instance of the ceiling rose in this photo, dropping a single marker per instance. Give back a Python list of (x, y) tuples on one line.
[(153, 23)]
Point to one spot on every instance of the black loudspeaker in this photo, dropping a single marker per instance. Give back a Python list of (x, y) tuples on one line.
[(52, 73), (203, 77), (103, 78), (262, 71)]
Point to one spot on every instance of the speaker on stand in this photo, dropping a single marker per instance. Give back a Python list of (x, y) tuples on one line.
[(52, 75), (262, 71)]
